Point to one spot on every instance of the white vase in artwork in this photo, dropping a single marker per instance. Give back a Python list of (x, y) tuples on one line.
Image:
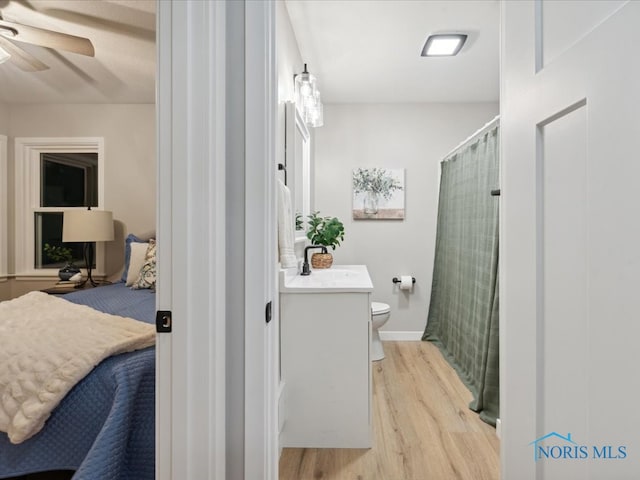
[(371, 201)]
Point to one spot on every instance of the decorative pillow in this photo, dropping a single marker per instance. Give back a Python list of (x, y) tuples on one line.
[(131, 238), (138, 254), (147, 276)]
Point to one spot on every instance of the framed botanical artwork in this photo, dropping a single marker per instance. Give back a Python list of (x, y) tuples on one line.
[(378, 193)]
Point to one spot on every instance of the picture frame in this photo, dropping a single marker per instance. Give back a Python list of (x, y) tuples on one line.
[(378, 193)]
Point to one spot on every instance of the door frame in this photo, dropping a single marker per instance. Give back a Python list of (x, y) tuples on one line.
[(190, 361), (261, 386), (3, 208), (216, 118)]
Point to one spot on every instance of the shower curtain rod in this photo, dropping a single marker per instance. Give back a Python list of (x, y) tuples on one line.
[(485, 128)]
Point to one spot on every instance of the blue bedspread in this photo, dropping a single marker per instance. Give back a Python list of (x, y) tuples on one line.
[(105, 427)]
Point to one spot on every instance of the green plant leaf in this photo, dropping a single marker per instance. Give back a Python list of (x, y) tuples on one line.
[(326, 231), (58, 254)]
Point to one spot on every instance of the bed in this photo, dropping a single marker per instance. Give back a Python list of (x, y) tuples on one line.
[(104, 428)]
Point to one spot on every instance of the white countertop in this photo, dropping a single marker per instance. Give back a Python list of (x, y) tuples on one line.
[(338, 278)]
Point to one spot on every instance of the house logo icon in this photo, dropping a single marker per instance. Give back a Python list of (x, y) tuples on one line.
[(567, 445)]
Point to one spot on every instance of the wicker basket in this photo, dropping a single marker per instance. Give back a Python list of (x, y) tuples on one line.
[(321, 260)]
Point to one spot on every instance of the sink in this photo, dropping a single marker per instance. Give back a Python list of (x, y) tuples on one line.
[(339, 278)]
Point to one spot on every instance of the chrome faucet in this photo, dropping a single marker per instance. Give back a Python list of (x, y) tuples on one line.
[(305, 265)]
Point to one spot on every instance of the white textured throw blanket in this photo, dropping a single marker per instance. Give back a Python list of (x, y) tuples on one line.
[(47, 345)]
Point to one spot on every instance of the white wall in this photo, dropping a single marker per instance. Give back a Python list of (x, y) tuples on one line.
[(130, 168), (411, 136), (290, 63), (289, 59)]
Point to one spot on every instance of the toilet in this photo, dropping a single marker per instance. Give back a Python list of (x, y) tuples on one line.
[(380, 313)]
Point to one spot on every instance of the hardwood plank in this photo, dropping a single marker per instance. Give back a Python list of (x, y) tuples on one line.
[(423, 428)]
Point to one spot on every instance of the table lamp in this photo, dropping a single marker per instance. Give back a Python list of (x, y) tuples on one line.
[(87, 226)]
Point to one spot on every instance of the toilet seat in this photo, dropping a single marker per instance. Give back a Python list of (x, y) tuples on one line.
[(379, 308)]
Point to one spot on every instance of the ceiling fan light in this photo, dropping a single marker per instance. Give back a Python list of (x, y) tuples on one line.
[(4, 55), (443, 45)]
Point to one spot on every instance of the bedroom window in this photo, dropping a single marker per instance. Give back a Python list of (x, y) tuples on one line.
[(54, 175), (66, 180)]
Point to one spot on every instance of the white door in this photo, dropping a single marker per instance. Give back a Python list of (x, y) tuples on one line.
[(216, 410), (570, 240), (191, 361)]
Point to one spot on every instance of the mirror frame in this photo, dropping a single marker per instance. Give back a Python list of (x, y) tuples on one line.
[(298, 169)]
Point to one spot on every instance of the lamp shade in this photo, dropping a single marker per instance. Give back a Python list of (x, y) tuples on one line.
[(87, 226)]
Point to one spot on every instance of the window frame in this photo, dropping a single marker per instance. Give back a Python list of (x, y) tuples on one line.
[(27, 196), (4, 197)]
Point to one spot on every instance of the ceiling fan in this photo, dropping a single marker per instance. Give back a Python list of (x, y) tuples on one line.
[(15, 32)]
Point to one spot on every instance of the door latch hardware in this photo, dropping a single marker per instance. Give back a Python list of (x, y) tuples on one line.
[(267, 312), (163, 321)]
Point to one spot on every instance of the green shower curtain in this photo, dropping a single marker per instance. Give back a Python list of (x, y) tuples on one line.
[(463, 312)]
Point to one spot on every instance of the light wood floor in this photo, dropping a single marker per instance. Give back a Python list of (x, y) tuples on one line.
[(423, 428)]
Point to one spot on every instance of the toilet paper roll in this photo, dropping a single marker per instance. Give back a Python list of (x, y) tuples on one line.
[(406, 282)]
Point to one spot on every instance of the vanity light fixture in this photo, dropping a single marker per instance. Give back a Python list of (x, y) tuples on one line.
[(4, 55), (443, 45), (307, 98)]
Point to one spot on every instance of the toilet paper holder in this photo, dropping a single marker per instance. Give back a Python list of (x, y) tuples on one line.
[(397, 280)]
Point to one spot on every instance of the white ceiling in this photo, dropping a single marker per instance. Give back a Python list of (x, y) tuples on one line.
[(122, 33), (360, 50), (369, 50)]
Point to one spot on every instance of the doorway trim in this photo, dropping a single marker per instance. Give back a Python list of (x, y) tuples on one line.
[(3, 209), (191, 360), (216, 91), (261, 379)]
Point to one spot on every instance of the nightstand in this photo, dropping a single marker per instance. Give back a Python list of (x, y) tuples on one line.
[(62, 288)]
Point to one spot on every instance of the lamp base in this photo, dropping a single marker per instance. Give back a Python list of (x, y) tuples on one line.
[(88, 261)]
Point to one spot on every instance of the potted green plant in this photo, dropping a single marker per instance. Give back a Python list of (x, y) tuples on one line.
[(325, 231), (62, 254)]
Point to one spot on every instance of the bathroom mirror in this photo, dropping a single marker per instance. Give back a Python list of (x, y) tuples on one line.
[(298, 163)]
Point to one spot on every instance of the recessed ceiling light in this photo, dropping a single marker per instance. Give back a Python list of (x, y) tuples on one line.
[(443, 45)]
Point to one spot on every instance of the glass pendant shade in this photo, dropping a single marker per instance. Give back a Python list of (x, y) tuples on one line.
[(315, 116), (307, 98)]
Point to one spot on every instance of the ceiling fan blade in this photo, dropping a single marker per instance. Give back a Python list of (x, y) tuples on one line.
[(21, 59), (46, 38)]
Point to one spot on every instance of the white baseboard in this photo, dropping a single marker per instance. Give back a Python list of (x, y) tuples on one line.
[(401, 336), (499, 428)]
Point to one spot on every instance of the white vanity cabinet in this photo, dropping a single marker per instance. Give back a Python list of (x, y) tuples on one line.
[(325, 360)]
